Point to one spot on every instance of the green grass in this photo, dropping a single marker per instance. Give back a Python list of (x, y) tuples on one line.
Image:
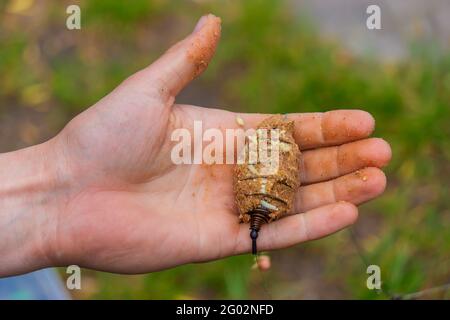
[(268, 61)]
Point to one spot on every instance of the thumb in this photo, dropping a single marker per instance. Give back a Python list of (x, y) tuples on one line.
[(183, 62)]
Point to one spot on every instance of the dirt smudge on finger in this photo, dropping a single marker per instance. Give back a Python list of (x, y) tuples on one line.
[(360, 175), (203, 44)]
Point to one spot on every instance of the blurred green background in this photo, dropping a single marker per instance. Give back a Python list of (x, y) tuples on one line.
[(270, 59)]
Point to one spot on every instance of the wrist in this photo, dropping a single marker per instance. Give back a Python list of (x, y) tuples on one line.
[(32, 193)]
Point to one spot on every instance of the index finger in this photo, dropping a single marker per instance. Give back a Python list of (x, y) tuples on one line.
[(321, 129)]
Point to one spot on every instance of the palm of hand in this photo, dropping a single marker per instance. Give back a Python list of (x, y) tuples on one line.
[(132, 210)]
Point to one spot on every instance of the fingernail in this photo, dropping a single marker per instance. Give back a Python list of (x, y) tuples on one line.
[(200, 23)]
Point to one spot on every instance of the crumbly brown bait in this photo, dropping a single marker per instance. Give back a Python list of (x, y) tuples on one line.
[(263, 195)]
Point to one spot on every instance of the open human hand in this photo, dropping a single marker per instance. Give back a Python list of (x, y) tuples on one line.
[(104, 193)]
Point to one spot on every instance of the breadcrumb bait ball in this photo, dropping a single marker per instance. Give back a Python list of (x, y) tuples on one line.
[(240, 121), (265, 189)]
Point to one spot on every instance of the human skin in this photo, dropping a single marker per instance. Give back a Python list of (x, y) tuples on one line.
[(104, 194)]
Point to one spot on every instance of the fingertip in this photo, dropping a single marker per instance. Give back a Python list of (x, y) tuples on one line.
[(367, 122), (376, 182), (214, 18), (382, 183), (203, 42), (183, 62), (376, 153), (385, 151), (345, 212), (207, 19), (347, 125), (363, 123)]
